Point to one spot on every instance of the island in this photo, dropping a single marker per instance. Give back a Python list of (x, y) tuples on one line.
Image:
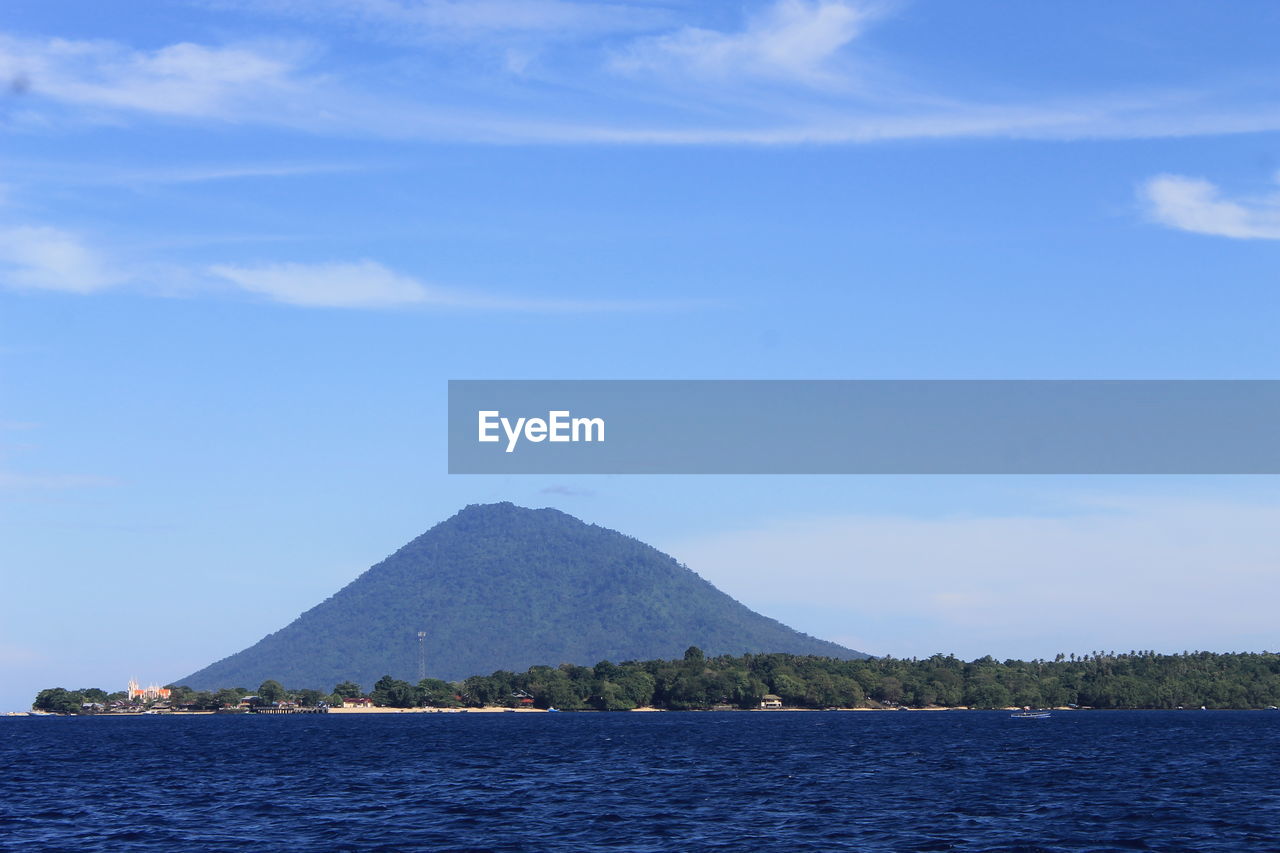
[(1103, 680)]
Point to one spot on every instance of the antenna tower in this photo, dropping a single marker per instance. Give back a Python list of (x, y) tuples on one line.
[(422, 655)]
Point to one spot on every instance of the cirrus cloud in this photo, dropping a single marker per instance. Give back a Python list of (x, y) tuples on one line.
[(363, 284), (1123, 572), (792, 40), (369, 284), (786, 77), (43, 258), (1199, 206), (38, 257), (188, 80), (433, 20)]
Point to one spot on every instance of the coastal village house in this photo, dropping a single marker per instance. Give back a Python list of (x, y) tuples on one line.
[(771, 702)]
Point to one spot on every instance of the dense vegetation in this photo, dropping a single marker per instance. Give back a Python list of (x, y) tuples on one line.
[(1097, 680), (503, 587), (92, 700), (58, 700)]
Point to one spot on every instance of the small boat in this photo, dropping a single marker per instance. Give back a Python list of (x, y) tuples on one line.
[(1030, 715)]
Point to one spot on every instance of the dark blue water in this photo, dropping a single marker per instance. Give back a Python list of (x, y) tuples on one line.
[(968, 781)]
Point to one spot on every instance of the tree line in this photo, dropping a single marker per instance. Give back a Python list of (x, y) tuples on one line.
[(1098, 680), (1136, 679)]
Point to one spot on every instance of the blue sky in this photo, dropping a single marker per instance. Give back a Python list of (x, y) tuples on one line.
[(244, 245)]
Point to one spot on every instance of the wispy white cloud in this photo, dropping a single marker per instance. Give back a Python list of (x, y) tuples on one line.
[(1124, 572), (1199, 206), (398, 20), (42, 258), (368, 284), (196, 174), (260, 84), (794, 40), (364, 284), (791, 75), (801, 122), (51, 259), (40, 177), (228, 83)]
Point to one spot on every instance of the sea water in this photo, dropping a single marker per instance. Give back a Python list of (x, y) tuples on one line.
[(866, 781)]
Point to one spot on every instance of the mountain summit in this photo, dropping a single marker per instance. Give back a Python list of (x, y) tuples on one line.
[(499, 586)]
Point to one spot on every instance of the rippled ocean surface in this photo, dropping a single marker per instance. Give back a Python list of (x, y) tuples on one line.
[(944, 780)]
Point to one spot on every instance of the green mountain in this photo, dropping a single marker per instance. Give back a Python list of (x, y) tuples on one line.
[(499, 586)]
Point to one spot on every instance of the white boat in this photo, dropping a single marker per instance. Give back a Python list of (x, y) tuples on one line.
[(1030, 715)]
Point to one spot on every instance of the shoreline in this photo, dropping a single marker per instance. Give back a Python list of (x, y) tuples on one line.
[(497, 709)]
